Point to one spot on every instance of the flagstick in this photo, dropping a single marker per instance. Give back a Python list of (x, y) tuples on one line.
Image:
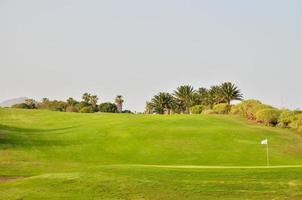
[(267, 158)]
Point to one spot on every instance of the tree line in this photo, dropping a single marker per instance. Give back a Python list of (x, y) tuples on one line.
[(217, 100), (88, 104), (185, 99)]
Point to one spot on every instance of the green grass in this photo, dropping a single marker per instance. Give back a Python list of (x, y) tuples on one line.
[(53, 155)]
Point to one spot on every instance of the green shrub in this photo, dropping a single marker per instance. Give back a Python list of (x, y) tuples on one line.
[(108, 107), (286, 117), (196, 109), (53, 105), (268, 116), (87, 109), (22, 106), (235, 110), (71, 109), (296, 122), (249, 108), (208, 112), (222, 108)]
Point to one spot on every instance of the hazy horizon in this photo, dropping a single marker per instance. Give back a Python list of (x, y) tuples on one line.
[(135, 48)]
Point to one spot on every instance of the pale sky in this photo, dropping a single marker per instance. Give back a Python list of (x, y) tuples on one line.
[(137, 48)]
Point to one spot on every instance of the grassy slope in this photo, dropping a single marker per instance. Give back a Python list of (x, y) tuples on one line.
[(66, 154)]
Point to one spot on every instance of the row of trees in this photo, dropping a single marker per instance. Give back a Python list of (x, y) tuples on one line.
[(217, 100), (185, 98), (88, 104)]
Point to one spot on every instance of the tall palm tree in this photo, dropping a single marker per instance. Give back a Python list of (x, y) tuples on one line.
[(163, 103), (184, 96), (119, 103), (230, 92)]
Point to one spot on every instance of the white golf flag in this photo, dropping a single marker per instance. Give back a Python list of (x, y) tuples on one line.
[(264, 141)]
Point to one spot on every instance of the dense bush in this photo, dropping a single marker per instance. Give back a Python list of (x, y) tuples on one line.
[(222, 108), (108, 107), (21, 105), (268, 116), (285, 118), (235, 110), (87, 109), (249, 108), (196, 109), (296, 122), (52, 105), (71, 109)]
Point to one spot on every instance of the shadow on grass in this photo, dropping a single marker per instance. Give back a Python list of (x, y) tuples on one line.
[(31, 130), (30, 137)]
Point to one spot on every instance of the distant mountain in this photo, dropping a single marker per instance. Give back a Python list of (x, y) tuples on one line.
[(10, 102)]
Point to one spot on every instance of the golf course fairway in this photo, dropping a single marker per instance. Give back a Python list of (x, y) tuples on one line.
[(56, 155)]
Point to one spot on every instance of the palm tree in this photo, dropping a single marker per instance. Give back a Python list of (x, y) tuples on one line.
[(86, 97), (93, 99), (71, 101), (163, 103), (184, 96), (119, 103), (230, 92), (149, 107), (215, 95), (201, 97)]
